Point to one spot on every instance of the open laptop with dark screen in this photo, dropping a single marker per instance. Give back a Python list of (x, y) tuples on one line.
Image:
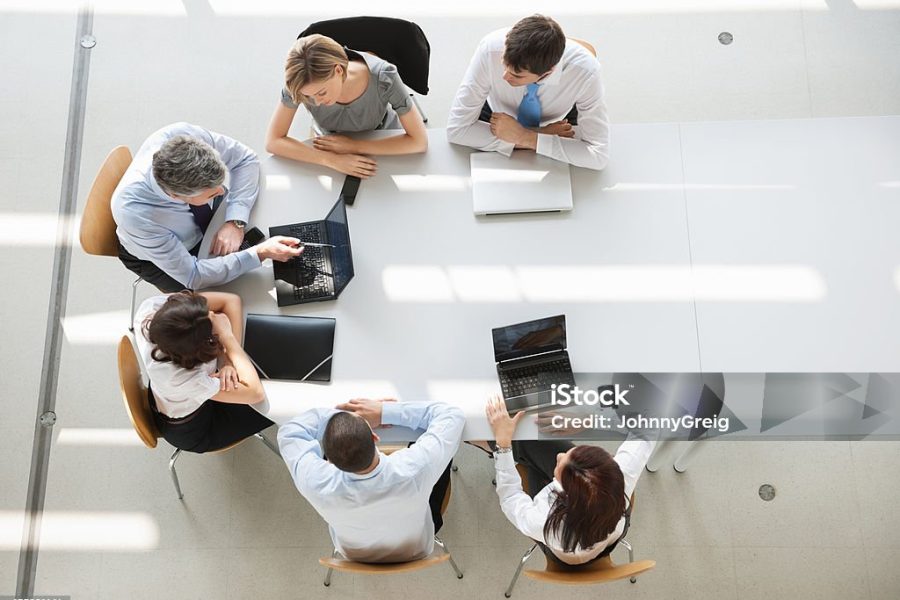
[(531, 357), (324, 268)]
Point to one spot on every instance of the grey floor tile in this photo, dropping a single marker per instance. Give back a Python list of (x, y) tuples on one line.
[(878, 489), (685, 509), (809, 509), (883, 576), (279, 572), (267, 508), (178, 574), (826, 573), (75, 574)]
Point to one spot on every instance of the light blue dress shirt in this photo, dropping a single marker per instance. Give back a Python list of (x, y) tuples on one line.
[(153, 226), (382, 516)]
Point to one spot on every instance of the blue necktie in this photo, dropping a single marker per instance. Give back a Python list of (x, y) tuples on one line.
[(530, 108)]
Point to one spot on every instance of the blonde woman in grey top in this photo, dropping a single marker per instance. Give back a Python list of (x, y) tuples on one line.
[(345, 91)]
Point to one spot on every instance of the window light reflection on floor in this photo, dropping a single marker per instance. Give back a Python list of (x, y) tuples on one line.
[(86, 436), (31, 229), (83, 531), (95, 328)]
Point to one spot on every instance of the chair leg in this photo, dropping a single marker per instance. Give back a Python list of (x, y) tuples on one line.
[(525, 557), (334, 554), (133, 298), (630, 557), (268, 443), (437, 540), (174, 474)]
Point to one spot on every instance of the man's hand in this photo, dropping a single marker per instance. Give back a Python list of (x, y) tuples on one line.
[(501, 423), (508, 129), (339, 144), (280, 248), (228, 378), (370, 410), (227, 240), (352, 164), (560, 128)]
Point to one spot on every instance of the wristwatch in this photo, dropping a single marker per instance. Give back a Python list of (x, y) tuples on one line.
[(502, 450), (238, 224)]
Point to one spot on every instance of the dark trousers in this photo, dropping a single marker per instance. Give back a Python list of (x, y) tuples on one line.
[(486, 113), (539, 459), (213, 426), (436, 499), (150, 273)]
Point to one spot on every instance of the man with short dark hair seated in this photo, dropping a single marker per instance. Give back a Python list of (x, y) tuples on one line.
[(530, 87), (379, 508), (166, 200)]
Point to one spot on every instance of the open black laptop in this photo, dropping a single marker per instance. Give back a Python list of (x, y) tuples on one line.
[(530, 357), (324, 268)]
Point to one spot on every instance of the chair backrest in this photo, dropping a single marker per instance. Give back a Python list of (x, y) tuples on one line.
[(587, 46), (401, 43), (134, 394), (98, 229), (600, 571), (349, 566)]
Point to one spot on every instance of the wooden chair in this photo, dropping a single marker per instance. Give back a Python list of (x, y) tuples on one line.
[(137, 405), (335, 563), (98, 229), (600, 571), (587, 46)]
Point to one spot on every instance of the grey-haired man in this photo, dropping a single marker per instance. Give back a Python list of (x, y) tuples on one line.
[(165, 202)]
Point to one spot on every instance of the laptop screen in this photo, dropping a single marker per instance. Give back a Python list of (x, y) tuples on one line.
[(341, 256), (531, 337)]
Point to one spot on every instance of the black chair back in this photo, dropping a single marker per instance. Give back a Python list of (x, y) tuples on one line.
[(402, 43)]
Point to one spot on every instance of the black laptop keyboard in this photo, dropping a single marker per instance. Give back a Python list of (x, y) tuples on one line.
[(311, 267), (535, 378)]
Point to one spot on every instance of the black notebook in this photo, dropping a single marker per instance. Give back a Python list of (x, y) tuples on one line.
[(295, 348)]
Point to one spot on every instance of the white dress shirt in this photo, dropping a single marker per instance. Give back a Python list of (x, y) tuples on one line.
[(155, 227), (529, 515), (574, 81), (383, 515), (178, 392)]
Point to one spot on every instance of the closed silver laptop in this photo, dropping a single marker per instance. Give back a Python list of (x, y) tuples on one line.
[(524, 182)]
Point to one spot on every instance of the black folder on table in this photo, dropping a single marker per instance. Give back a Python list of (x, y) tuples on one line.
[(286, 347)]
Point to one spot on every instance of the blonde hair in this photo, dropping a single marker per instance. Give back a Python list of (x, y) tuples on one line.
[(312, 59)]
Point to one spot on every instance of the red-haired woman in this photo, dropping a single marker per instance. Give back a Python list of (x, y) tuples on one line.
[(578, 503)]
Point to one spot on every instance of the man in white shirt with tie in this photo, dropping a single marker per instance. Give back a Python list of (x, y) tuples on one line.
[(531, 87), (379, 508)]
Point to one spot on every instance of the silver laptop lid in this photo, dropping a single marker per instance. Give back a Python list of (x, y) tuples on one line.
[(525, 182)]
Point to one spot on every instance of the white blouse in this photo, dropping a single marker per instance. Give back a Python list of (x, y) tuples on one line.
[(178, 391), (529, 515)]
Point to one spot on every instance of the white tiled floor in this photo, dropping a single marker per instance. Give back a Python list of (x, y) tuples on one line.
[(242, 531)]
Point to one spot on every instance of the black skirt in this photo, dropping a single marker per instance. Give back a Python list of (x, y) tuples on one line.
[(213, 426)]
